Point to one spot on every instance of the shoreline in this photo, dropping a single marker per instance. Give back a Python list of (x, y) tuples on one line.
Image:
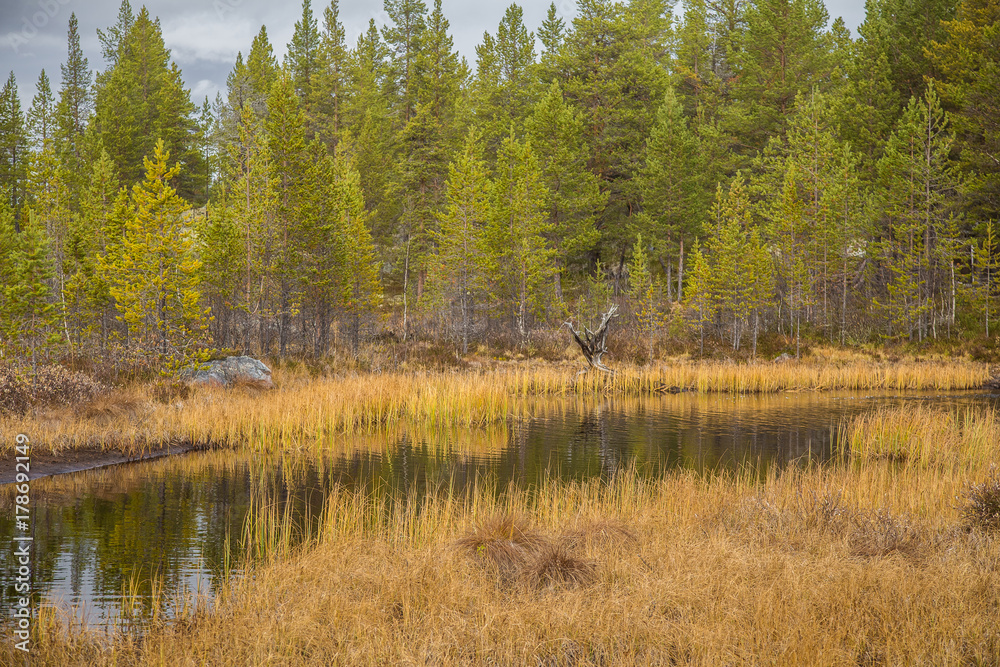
[(77, 460)]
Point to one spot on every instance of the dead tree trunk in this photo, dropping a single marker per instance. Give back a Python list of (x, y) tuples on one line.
[(594, 345)]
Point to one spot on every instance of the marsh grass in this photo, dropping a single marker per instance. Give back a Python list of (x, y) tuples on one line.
[(304, 410), (814, 565), (866, 560)]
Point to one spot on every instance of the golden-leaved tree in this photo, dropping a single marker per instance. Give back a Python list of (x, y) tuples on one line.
[(151, 271)]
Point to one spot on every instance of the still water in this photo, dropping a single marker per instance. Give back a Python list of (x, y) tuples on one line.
[(178, 521)]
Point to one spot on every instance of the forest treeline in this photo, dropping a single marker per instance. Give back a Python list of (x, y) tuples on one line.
[(742, 169)]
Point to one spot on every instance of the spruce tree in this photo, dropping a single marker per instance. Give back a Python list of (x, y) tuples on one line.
[(141, 100), (13, 151), (75, 101), (41, 116)]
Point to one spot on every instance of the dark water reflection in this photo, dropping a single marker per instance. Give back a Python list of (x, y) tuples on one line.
[(176, 520)]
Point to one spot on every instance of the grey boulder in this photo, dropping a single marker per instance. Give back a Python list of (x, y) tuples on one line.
[(229, 371)]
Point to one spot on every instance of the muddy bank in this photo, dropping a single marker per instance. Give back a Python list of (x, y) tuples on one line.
[(44, 464)]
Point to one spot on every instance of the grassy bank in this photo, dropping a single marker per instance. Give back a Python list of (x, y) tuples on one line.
[(889, 556), (304, 408)]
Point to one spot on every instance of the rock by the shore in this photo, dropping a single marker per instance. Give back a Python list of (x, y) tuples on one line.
[(229, 371)]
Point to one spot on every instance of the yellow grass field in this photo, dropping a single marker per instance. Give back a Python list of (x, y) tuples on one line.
[(875, 558), (302, 408)]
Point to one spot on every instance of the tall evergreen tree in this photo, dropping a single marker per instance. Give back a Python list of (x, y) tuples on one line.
[(674, 183), (141, 100), (555, 130), (503, 85), (303, 61), (31, 313), (409, 20), (460, 270), (75, 101), (114, 38), (516, 236), (155, 276), (41, 116), (784, 51), (13, 150)]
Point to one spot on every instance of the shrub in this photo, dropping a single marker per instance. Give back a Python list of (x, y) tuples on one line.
[(982, 506), (21, 389)]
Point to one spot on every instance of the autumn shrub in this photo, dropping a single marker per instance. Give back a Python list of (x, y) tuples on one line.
[(982, 506), (21, 389)]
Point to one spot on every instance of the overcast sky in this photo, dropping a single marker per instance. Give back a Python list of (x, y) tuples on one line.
[(205, 35)]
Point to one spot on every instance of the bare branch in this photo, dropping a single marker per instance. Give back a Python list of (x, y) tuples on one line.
[(594, 346)]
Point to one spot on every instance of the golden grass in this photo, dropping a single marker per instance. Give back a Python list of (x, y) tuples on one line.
[(304, 410), (865, 561)]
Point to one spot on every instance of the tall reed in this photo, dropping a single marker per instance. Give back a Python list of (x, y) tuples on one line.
[(303, 410)]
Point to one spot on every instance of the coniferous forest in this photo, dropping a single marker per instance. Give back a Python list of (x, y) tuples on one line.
[(729, 174)]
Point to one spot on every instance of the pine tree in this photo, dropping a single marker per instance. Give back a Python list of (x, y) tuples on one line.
[(289, 160), (968, 58), (41, 115), (373, 140), (75, 101), (552, 30), (89, 307), (614, 69), (31, 314), (115, 37), (331, 85), (303, 62), (918, 187), (219, 249), (13, 150), (460, 270), (409, 20), (358, 276), (556, 133), (503, 87), (141, 100), (429, 139), (646, 295), (155, 277), (731, 280), (250, 202), (784, 51), (674, 184), (516, 236)]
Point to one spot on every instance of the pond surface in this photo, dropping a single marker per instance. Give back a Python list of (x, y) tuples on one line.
[(104, 536)]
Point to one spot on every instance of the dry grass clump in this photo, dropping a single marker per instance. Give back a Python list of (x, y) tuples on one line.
[(509, 546), (505, 542), (982, 506)]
